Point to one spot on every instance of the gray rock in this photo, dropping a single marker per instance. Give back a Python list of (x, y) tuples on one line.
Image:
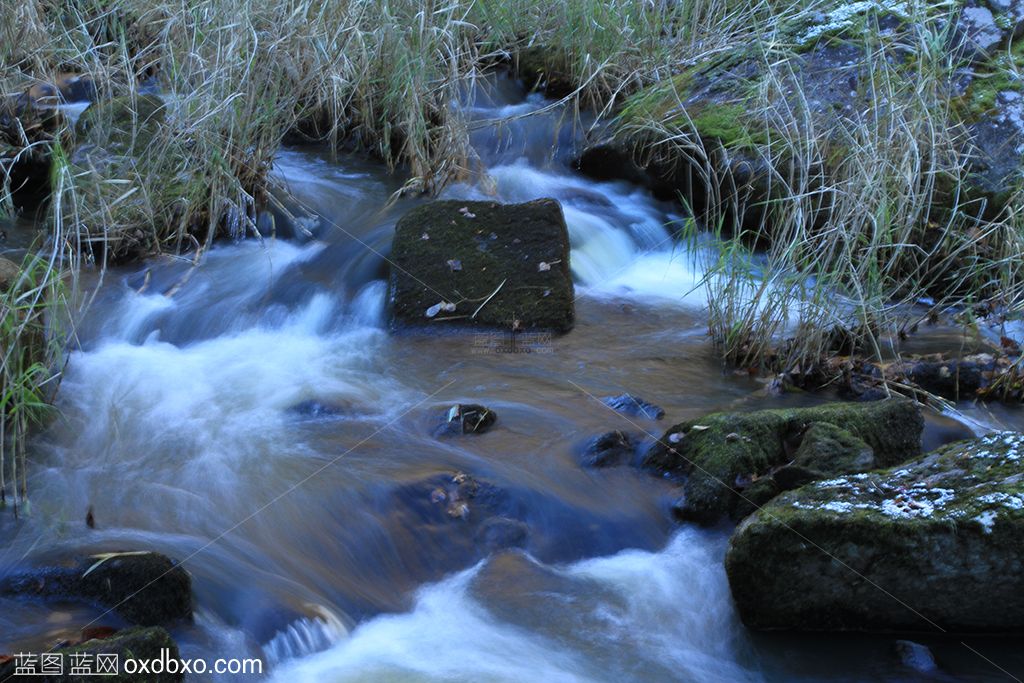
[(998, 140), (977, 34)]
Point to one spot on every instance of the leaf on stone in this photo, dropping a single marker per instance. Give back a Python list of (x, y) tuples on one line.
[(453, 413), (103, 557), (699, 428), (543, 266), (466, 212), (447, 306), (434, 310), (454, 263)]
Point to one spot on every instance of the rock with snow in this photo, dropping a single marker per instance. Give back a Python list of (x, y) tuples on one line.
[(931, 544)]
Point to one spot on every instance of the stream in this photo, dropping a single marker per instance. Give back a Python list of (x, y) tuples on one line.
[(254, 418)]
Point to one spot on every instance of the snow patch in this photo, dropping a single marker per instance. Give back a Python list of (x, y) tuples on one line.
[(987, 520), (843, 16)]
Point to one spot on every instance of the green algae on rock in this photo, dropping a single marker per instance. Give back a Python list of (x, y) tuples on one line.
[(932, 544), (724, 454), (482, 264)]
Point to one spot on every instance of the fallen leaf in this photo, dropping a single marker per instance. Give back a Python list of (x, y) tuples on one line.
[(454, 263), (97, 632), (543, 266), (434, 310)]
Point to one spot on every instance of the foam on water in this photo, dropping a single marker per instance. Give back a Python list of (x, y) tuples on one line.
[(212, 398), (674, 615), (222, 396), (621, 242)]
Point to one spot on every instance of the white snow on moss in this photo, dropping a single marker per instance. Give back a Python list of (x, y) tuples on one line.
[(987, 520), (1012, 441), (844, 16), (1005, 499)]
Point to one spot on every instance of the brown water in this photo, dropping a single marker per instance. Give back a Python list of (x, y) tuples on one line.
[(310, 538)]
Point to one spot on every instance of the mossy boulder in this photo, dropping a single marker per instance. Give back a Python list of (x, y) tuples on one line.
[(482, 264), (145, 588), (152, 644), (934, 544), (831, 450), (723, 455)]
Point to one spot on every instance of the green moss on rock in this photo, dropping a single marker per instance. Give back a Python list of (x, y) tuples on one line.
[(500, 265), (722, 453), (151, 644), (942, 535), (833, 450)]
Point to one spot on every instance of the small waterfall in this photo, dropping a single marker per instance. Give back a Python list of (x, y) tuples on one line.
[(305, 636)]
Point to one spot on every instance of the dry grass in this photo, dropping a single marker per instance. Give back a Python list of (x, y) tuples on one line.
[(861, 218)]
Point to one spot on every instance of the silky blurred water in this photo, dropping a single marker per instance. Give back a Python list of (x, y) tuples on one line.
[(198, 396)]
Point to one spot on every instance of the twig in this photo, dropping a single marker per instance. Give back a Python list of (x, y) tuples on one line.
[(489, 298)]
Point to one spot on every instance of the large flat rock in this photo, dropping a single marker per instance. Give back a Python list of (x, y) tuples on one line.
[(482, 264)]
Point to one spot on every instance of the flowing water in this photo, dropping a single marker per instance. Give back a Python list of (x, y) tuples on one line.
[(254, 418)]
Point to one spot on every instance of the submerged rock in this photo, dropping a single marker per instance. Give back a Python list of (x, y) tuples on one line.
[(460, 516), (628, 404), (143, 587), (153, 644), (724, 454), (482, 264), (932, 544), (610, 449)]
